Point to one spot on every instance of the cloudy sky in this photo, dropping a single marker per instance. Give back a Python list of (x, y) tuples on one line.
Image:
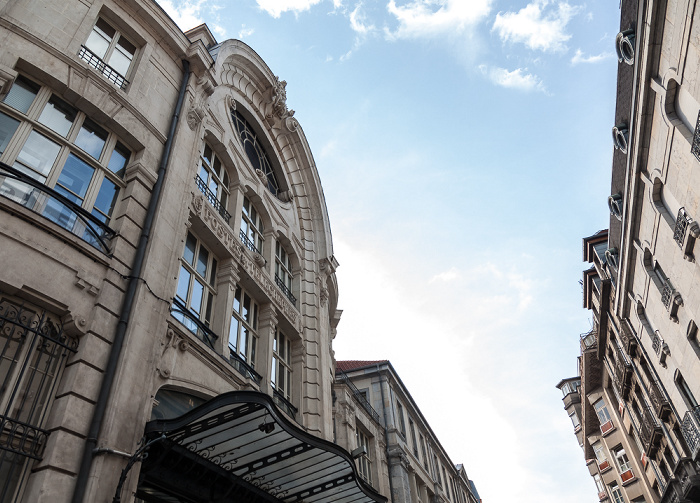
[(464, 148)]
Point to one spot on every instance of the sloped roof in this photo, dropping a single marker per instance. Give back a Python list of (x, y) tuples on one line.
[(350, 365)]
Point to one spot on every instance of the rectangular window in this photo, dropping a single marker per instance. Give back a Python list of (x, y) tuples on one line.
[(603, 416), (364, 461), (616, 493), (109, 52), (423, 451), (400, 418), (62, 149), (281, 376), (412, 430), (196, 286), (242, 337), (574, 420)]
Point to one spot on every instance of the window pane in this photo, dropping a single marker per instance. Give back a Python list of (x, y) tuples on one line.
[(121, 58), (22, 94), (91, 138), (183, 284), (75, 177), (233, 334), (212, 276), (100, 38), (106, 198), (243, 347), (202, 260), (38, 154), (197, 293), (190, 246), (8, 126), (58, 115), (119, 159)]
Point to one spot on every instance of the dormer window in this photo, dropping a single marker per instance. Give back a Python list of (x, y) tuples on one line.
[(109, 52), (255, 152)]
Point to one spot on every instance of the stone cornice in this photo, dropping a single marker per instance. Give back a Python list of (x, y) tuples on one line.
[(223, 232)]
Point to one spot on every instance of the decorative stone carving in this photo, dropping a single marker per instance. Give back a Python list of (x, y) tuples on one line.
[(224, 234), (172, 340), (198, 108), (286, 196), (279, 100), (324, 296), (291, 124), (261, 175)]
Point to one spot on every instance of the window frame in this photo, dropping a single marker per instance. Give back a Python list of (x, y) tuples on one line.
[(241, 323), (281, 364), (91, 181), (252, 227), (207, 282), (364, 460), (104, 64)]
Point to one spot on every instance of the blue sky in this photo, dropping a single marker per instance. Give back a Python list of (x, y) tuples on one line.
[(465, 150)]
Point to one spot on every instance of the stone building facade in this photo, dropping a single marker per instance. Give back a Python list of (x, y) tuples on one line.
[(376, 418), (640, 364), (167, 280)]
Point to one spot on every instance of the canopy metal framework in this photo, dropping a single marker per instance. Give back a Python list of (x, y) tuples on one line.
[(238, 447)]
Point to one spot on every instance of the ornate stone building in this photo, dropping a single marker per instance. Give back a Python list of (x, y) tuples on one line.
[(640, 364), (376, 418), (167, 280)]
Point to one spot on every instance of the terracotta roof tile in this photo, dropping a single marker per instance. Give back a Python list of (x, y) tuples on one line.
[(350, 365)]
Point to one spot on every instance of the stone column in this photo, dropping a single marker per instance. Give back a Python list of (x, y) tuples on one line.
[(399, 466), (267, 324), (227, 278)]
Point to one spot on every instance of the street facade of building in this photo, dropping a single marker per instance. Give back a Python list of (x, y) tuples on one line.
[(633, 404), (376, 418), (168, 296)]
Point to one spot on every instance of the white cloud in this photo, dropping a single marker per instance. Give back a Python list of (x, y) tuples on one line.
[(580, 58), (446, 276), (539, 25), (431, 18), (275, 8), (517, 79), (245, 32), (187, 14), (362, 29)]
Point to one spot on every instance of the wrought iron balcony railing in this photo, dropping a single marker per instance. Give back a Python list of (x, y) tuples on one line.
[(284, 404), (683, 221), (656, 342), (695, 148), (211, 197), (242, 366), (667, 294), (285, 290), (650, 431), (342, 377), (690, 428), (658, 400), (192, 323), (98, 64), (248, 243), (55, 207), (622, 376)]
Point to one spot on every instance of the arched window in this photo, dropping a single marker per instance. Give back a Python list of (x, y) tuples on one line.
[(170, 403), (255, 151), (212, 180), (251, 228)]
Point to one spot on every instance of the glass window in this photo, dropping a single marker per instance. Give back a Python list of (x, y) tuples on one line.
[(574, 419), (84, 180), (400, 418), (616, 493), (599, 453), (602, 411), (412, 430), (251, 228), (281, 376), (364, 461), (283, 270), (242, 337), (111, 47), (255, 151), (621, 459), (195, 287)]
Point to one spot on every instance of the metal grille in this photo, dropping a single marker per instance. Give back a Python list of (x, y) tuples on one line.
[(98, 64), (341, 376), (193, 324), (690, 428), (667, 295), (285, 290), (695, 148), (682, 223), (33, 350), (248, 243), (656, 342), (57, 208), (283, 403), (211, 197)]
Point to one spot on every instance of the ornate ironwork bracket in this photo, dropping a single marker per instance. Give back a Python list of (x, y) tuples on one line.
[(140, 454)]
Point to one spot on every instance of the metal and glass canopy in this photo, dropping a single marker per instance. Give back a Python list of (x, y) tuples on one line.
[(238, 447)]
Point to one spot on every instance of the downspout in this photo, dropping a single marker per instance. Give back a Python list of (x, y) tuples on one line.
[(128, 304), (386, 433)]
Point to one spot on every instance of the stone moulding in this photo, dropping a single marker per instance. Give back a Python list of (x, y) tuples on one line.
[(225, 234)]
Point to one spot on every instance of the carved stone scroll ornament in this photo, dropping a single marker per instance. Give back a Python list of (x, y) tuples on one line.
[(198, 107), (278, 101), (172, 340)]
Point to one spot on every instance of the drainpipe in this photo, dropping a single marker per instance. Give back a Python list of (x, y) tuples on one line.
[(386, 433), (128, 304)]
